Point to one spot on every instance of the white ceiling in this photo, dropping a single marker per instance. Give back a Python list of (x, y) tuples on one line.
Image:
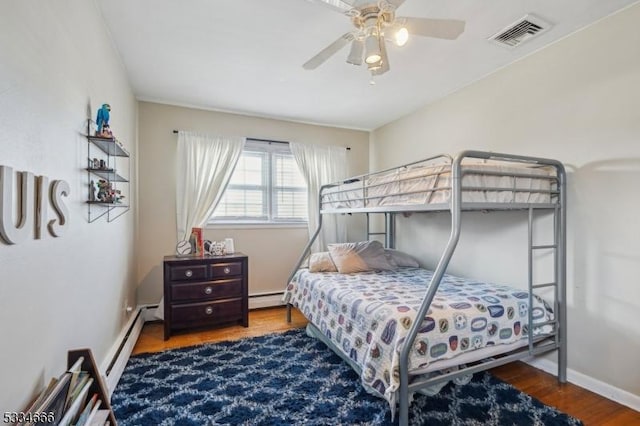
[(246, 56)]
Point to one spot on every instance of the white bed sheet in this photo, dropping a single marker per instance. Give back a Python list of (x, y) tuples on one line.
[(430, 184)]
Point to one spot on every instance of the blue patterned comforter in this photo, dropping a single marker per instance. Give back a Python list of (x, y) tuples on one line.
[(368, 316)]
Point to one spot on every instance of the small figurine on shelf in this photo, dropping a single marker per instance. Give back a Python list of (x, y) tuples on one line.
[(92, 191), (106, 193), (103, 191), (119, 197), (102, 120), (106, 131)]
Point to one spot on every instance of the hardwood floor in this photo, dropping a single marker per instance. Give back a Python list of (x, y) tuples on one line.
[(591, 408)]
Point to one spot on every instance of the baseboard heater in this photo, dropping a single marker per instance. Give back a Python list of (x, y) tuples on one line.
[(120, 357), (265, 300)]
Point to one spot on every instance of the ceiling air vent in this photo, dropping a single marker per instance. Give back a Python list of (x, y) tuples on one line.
[(520, 31)]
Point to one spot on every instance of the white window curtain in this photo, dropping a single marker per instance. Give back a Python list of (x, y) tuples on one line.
[(320, 165), (205, 165)]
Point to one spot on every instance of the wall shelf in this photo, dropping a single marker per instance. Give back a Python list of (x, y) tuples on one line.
[(109, 146), (107, 152), (107, 174)]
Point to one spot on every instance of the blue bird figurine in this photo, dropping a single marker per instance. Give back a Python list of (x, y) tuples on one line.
[(102, 119)]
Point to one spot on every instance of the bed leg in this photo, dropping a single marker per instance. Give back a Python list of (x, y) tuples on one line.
[(562, 363), (403, 415), (562, 344), (288, 313)]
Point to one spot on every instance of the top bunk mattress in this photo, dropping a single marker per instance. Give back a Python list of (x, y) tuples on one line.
[(428, 184)]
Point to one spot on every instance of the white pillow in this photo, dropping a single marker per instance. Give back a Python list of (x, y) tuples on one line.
[(321, 262), (401, 258), (360, 257)]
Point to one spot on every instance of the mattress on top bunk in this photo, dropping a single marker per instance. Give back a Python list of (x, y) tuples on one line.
[(368, 315), (430, 184)]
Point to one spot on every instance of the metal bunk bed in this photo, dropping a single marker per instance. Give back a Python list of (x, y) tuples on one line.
[(361, 195)]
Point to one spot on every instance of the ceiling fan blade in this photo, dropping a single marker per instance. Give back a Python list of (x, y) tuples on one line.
[(328, 51), (384, 59), (338, 6), (394, 3), (448, 29)]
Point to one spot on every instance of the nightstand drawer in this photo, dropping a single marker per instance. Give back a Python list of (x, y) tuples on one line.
[(188, 273), (220, 289), (226, 269), (194, 314)]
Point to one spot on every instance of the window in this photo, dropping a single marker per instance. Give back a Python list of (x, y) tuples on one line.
[(266, 187)]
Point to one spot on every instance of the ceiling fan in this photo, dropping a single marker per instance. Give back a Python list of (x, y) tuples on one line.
[(375, 22)]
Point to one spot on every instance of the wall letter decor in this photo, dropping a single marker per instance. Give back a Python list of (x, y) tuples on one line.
[(31, 198), (59, 188)]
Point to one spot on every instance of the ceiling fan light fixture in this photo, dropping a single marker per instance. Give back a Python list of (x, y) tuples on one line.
[(375, 66), (376, 23), (401, 37), (356, 52), (372, 49)]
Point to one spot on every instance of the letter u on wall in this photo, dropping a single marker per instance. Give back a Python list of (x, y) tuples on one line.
[(15, 232)]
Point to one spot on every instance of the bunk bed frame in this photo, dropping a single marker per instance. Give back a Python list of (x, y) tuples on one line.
[(556, 340)]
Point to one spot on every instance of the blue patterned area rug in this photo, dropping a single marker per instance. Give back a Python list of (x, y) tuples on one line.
[(293, 379)]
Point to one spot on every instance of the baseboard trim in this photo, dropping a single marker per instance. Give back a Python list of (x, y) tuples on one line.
[(594, 385)]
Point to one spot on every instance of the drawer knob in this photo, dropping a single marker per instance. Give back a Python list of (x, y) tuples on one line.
[(208, 290), (208, 310), (226, 269), (188, 272)]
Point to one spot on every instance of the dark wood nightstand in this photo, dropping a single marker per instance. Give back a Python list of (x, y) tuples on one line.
[(204, 291)]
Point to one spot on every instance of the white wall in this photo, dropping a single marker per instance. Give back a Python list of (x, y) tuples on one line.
[(577, 101), (272, 252), (57, 65)]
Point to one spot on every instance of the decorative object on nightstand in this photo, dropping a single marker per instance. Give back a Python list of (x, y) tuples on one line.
[(228, 245), (218, 249), (197, 241), (183, 248), (205, 292)]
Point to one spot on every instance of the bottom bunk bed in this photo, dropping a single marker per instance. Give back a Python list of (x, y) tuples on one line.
[(366, 316)]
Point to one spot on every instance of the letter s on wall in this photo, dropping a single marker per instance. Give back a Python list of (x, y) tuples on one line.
[(59, 188)]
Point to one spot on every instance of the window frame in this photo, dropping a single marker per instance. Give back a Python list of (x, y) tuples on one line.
[(271, 148)]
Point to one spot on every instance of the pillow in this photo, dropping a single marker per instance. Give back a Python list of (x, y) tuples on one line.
[(401, 258), (321, 262), (360, 257)]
